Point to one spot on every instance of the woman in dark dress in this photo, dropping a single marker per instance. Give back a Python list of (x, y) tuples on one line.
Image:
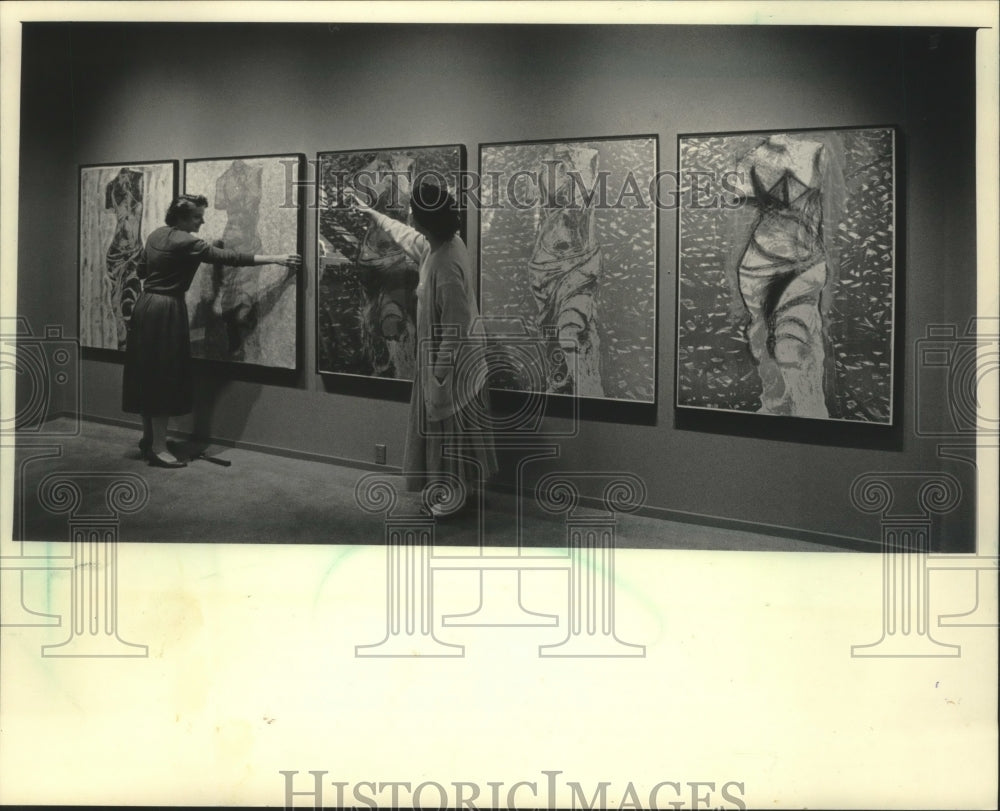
[(157, 377)]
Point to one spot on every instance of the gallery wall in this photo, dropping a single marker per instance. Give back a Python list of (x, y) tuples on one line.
[(96, 93)]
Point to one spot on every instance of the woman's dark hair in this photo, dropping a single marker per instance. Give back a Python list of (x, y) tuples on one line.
[(183, 206), (435, 210)]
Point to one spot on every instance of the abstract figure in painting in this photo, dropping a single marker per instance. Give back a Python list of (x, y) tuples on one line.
[(565, 267), (786, 277), (568, 246), (782, 273), (120, 205), (124, 196), (238, 193), (239, 315), (366, 298)]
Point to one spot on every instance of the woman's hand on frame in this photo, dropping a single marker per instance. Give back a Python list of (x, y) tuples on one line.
[(289, 260), (353, 200)]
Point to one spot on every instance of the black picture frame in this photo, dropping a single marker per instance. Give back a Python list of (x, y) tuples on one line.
[(353, 354), (115, 238), (716, 177), (628, 376), (245, 323)]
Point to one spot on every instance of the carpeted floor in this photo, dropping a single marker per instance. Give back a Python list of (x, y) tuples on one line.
[(266, 498)]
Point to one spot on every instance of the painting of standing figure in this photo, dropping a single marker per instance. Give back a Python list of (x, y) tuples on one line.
[(119, 206), (786, 277), (568, 244), (248, 314), (366, 299)]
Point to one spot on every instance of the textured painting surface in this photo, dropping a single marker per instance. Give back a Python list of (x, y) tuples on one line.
[(119, 206), (786, 274), (568, 246), (366, 298), (245, 315)]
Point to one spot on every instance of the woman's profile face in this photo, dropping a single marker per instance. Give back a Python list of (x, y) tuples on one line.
[(193, 221)]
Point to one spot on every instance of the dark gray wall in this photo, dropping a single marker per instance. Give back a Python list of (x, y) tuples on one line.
[(109, 93)]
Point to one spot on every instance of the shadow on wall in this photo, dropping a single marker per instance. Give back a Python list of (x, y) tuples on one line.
[(218, 417)]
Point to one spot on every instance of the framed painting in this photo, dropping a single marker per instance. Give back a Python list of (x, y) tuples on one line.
[(120, 204), (366, 286), (247, 315), (787, 273), (568, 247)]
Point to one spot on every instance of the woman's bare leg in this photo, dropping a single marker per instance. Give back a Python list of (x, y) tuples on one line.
[(159, 446)]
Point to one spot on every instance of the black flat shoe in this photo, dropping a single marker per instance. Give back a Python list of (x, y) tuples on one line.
[(156, 461), (145, 444)]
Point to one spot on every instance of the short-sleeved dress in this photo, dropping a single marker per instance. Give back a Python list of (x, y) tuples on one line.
[(157, 376)]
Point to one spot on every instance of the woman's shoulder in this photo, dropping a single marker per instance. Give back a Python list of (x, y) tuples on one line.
[(453, 251), (169, 238), (450, 263), (166, 233)]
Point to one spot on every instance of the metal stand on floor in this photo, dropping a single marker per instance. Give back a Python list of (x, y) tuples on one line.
[(215, 460)]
